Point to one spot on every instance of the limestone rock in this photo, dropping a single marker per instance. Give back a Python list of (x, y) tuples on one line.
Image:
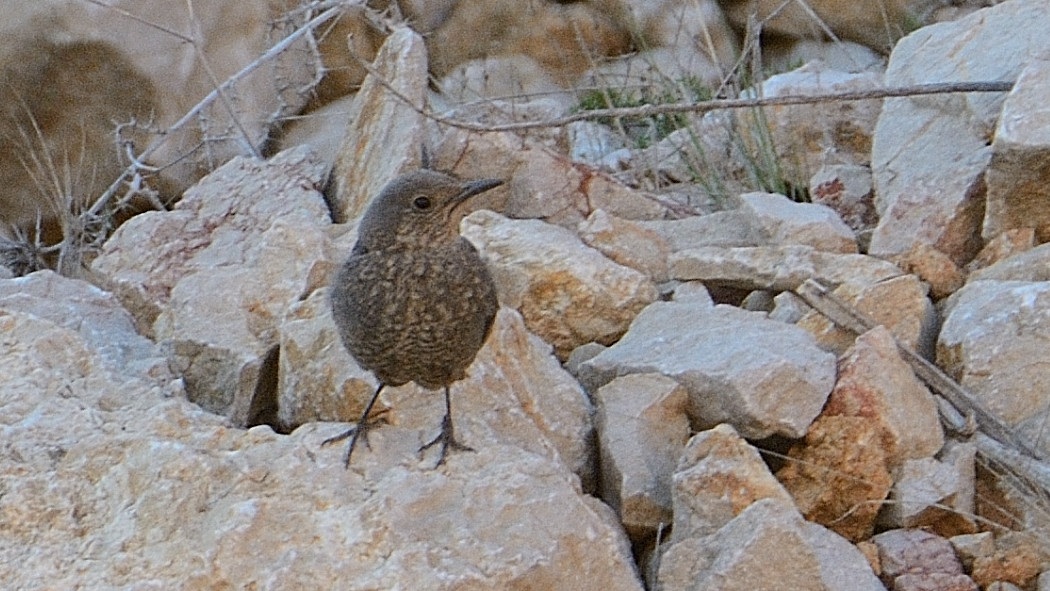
[(1001, 247), (930, 184), (780, 54), (317, 378), (167, 495), (935, 494), (591, 142), (718, 476), (683, 26), (94, 314), (992, 343), (809, 224), (1019, 173), (568, 293), (847, 189), (934, 267), (541, 183), (516, 394), (385, 136), (1029, 265), (875, 383), (838, 476), (1017, 559), (723, 229), (806, 137), (900, 304), (761, 376), (223, 267), (642, 429), (751, 551), (776, 268), (915, 559), (627, 243)]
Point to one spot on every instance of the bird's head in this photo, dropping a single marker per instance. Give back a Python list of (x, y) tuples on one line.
[(417, 210)]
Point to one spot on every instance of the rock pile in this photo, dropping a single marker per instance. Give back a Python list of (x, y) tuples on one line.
[(653, 408)]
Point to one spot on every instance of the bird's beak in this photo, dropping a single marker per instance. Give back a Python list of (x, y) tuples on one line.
[(475, 187)]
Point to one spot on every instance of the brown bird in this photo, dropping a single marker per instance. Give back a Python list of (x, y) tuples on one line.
[(414, 301)]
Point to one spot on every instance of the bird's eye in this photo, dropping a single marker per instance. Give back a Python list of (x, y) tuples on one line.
[(421, 203)]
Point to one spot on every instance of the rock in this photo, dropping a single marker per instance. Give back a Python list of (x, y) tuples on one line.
[(930, 184), (789, 308), (221, 270), (775, 268), (723, 229), (719, 475), (808, 224), (591, 142), (1018, 176), (1029, 265), (762, 377), (935, 494), (642, 430), (96, 315), (751, 551), (780, 54), (516, 394), (969, 547), (516, 78), (875, 383), (934, 267), (804, 138), (628, 243), (915, 559), (684, 27), (317, 378), (170, 495), (541, 183), (385, 136), (876, 27), (847, 189), (1018, 559), (992, 341), (323, 129), (838, 475), (1002, 247), (900, 304), (568, 293)]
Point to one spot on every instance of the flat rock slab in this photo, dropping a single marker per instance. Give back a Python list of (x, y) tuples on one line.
[(759, 375)]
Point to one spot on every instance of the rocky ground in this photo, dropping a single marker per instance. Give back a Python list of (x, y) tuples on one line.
[(655, 407)]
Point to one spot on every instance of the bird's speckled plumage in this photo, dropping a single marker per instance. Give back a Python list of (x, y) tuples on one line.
[(414, 302)]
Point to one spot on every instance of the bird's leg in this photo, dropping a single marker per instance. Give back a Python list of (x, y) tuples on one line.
[(446, 437), (361, 428)]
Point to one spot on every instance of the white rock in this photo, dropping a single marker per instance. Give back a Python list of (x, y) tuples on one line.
[(761, 376), (808, 224), (568, 293)]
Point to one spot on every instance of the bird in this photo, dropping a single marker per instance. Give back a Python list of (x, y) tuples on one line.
[(414, 301)]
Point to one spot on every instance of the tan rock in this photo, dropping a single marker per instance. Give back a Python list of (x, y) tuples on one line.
[(750, 552), (847, 189), (776, 268), (914, 559), (1029, 265), (876, 384), (992, 343), (627, 243), (684, 26), (900, 304), (878, 27), (761, 376), (541, 183), (719, 476), (385, 135), (568, 293), (1019, 174), (1002, 247), (787, 222), (168, 495), (1017, 559), (780, 54), (970, 546), (934, 267), (838, 475), (935, 494), (642, 430), (804, 138), (223, 267), (930, 183), (733, 228)]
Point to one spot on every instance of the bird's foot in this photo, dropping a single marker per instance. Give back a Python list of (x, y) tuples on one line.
[(358, 431), (447, 440)]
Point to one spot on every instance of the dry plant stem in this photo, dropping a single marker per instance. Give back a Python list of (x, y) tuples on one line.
[(332, 9), (842, 314)]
